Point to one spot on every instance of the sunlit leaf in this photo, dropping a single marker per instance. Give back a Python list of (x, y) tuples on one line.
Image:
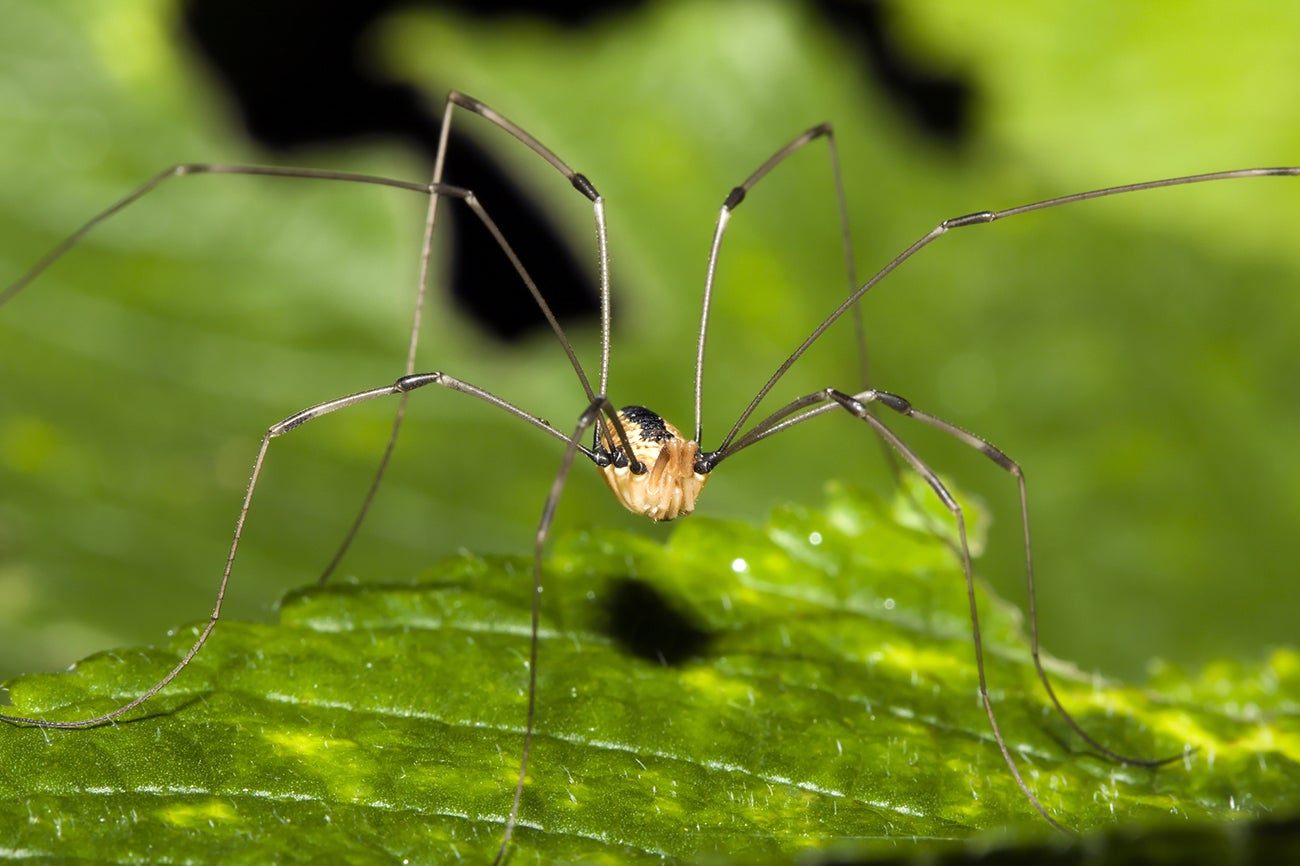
[(739, 694)]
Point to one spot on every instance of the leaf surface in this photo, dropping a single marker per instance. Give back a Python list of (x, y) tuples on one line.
[(740, 694)]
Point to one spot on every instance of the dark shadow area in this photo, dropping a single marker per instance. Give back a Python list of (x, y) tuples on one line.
[(643, 622), (937, 104), (1248, 843), (299, 73)]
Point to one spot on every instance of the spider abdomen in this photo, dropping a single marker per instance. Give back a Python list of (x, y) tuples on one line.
[(670, 485)]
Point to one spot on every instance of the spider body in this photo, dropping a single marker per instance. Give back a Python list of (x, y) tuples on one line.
[(664, 476)]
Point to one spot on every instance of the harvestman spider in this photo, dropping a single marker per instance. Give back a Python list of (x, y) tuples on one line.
[(649, 466)]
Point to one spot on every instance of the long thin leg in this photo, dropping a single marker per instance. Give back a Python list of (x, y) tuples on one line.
[(859, 326), (859, 408), (979, 218), (903, 407), (580, 183), (422, 288), (737, 195), (402, 386), (435, 190), (585, 421), (828, 400), (821, 402), (187, 170)]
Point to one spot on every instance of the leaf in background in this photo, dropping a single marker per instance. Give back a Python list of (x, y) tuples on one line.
[(819, 695), (136, 378)]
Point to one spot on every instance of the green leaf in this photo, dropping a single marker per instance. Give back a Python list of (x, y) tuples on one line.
[(739, 694)]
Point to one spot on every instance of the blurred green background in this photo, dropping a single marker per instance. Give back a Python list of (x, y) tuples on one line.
[(1138, 355)]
